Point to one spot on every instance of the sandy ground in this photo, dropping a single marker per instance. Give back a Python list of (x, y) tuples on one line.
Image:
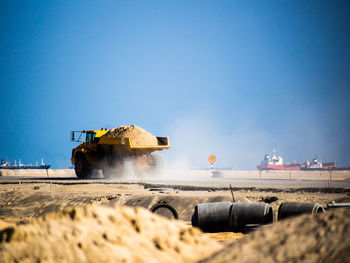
[(26, 202), (336, 175), (30, 200)]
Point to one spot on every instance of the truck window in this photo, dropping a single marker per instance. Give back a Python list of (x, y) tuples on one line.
[(88, 137)]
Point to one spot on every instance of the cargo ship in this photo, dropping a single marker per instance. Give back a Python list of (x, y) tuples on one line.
[(7, 165), (316, 165), (275, 162)]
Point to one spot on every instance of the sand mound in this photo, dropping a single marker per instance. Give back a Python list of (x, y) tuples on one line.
[(100, 234), (323, 238), (137, 135)]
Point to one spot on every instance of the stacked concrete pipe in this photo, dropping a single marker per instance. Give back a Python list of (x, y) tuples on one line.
[(236, 217), (227, 216)]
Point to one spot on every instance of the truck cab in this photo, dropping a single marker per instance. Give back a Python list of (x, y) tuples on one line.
[(90, 135), (87, 142)]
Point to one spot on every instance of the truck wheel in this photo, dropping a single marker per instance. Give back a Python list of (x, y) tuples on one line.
[(147, 163), (107, 170), (156, 162), (82, 167), (114, 170)]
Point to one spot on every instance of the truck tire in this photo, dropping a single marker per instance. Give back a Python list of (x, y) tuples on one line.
[(106, 170), (82, 167), (147, 164), (156, 162), (112, 168)]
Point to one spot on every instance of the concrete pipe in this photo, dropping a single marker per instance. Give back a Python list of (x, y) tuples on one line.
[(243, 215), (212, 217), (289, 209)]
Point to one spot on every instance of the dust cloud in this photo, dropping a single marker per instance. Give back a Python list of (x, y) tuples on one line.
[(193, 140), (242, 146)]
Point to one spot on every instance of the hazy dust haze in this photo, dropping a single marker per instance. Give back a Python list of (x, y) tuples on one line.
[(193, 139)]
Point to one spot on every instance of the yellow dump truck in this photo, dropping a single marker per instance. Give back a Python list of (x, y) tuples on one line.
[(109, 150)]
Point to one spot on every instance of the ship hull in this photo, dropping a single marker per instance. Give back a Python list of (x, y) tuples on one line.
[(16, 167), (317, 169), (279, 167), (325, 166)]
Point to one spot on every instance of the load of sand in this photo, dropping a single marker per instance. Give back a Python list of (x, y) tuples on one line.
[(320, 238), (101, 234), (137, 135)]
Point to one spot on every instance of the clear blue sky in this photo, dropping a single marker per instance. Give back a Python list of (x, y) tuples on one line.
[(233, 78)]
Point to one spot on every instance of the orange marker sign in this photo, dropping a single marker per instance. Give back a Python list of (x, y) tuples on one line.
[(212, 158)]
